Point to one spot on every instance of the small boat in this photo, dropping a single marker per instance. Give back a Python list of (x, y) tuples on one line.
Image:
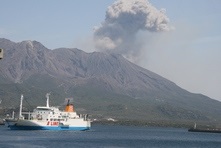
[(49, 118)]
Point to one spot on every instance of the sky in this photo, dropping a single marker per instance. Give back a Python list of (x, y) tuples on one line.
[(188, 53)]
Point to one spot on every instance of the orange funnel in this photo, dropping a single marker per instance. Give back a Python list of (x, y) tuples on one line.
[(69, 107)]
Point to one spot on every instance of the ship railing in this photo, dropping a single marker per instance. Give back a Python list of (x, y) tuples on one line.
[(27, 115), (81, 117), (84, 116)]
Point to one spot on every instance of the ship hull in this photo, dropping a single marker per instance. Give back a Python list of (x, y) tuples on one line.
[(57, 128), (77, 125)]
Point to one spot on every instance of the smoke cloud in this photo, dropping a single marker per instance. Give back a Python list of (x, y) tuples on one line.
[(124, 20)]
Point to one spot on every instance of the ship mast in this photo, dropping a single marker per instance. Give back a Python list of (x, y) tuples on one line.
[(20, 110), (47, 102)]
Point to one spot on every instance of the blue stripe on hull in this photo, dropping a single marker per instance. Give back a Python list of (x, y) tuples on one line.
[(48, 128)]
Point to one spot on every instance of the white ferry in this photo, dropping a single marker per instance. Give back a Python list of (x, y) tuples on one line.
[(49, 118)]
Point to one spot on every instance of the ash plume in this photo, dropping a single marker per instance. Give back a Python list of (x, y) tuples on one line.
[(124, 20)]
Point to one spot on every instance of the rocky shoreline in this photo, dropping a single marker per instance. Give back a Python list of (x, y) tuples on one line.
[(163, 123)]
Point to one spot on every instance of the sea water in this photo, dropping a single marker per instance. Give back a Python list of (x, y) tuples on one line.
[(109, 136)]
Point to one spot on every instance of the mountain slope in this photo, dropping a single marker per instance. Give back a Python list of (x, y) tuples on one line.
[(102, 84)]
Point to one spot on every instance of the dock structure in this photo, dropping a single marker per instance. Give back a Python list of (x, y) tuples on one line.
[(206, 130)]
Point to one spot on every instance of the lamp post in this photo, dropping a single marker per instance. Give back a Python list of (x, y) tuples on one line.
[(1, 53)]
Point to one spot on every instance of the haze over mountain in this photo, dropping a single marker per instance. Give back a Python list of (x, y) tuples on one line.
[(105, 85)]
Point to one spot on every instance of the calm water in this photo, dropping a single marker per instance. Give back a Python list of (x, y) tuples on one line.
[(109, 136)]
